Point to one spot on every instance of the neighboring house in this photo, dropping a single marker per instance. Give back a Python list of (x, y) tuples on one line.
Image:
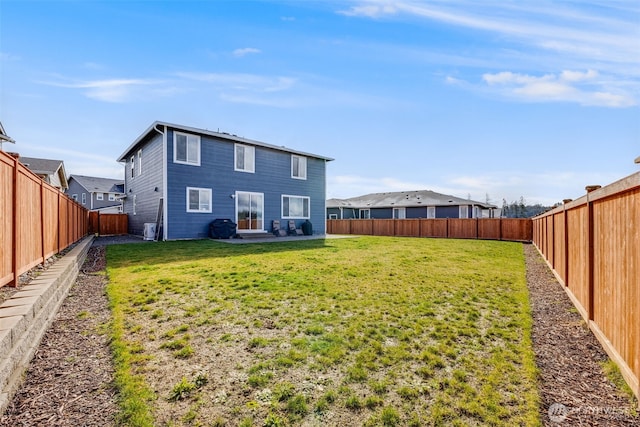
[(183, 178), (97, 194), (51, 171), (407, 204), (4, 137)]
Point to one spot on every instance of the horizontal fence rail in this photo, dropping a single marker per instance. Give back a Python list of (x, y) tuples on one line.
[(108, 224), (592, 245), (37, 220), (513, 229)]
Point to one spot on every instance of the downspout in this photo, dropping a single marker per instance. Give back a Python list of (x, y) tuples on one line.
[(164, 180)]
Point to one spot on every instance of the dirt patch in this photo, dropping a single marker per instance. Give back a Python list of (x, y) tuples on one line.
[(70, 379), (569, 358)]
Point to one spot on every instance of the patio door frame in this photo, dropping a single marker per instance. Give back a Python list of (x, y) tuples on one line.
[(260, 212)]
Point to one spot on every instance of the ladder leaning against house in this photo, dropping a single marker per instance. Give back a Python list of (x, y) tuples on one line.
[(159, 220)]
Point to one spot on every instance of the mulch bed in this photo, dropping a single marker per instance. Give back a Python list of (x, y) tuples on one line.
[(70, 380)]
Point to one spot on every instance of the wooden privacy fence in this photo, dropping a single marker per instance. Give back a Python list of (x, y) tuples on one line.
[(515, 229), (593, 246), (36, 220), (108, 224)]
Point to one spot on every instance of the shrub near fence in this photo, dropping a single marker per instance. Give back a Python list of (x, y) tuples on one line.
[(37, 220), (593, 246), (519, 229)]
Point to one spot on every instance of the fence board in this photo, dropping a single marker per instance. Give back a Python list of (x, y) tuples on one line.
[(113, 224), (383, 227)]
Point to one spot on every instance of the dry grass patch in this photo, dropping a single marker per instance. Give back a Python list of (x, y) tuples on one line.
[(363, 331)]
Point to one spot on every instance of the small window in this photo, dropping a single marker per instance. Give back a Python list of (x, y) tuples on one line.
[(99, 196), (133, 166), (295, 207), (186, 149), (139, 162), (365, 213), (84, 198), (75, 197), (134, 204), (245, 158), (464, 211), (399, 213), (431, 211), (333, 216), (198, 200), (298, 167), (112, 197)]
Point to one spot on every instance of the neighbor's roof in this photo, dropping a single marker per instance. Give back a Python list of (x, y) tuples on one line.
[(99, 185), (403, 199), (4, 136), (42, 166), (223, 135)]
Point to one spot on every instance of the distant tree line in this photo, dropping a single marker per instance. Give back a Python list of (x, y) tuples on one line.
[(520, 209)]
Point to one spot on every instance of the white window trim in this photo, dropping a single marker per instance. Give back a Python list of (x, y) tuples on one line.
[(362, 211), (134, 201), (200, 191), (74, 197), (399, 213), (84, 198), (431, 212), (112, 197), (133, 166), (301, 158), (175, 151), (465, 209), (100, 196), (290, 196), (333, 216), (251, 148), (139, 162)]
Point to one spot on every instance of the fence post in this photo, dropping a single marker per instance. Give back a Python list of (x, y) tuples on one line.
[(14, 232), (566, 243), (591, 251), (42, 228)]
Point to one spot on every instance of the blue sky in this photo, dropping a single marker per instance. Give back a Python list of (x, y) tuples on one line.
[(496, 99)]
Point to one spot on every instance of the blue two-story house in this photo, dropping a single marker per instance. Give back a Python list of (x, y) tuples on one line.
[(182, 178)]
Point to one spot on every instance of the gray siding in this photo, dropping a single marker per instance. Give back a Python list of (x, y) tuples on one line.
[(272, 177), (144, 186), (75, 188)]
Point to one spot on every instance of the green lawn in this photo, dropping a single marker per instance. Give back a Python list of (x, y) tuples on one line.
[(357, 331)]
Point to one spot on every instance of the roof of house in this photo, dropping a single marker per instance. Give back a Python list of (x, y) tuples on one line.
[(42, 166), (155, 127), (400, 199), (99, 185), (3, 135)]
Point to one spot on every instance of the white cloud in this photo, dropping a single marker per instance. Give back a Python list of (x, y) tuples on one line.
[(244, 82), (245, 51), (109, 90), (582, 87)]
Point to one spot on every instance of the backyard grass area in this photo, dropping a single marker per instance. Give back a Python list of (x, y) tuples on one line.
[(358, 331)]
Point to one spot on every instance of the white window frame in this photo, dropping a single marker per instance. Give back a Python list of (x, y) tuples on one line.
[(288, 214), (399, 213), (100, 196), (463, 209), (333, 216), (249, 158), (74, 197), (139, 162), (112, 197), (302, 167), (84, 198), (189, 138), (201, 208), (133, 166), (364, 214), (431, 212), (134, 201)]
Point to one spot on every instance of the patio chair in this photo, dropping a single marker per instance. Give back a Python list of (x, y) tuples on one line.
[(293, 230), (277, 231)]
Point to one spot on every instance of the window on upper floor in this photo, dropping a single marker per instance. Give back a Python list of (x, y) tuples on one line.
[(99, 196), (112, 197), (186, 148), (295, 207), (198, 200), (84, 198), (139, 162), (133, 166), (245, 158), (298, 167)]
